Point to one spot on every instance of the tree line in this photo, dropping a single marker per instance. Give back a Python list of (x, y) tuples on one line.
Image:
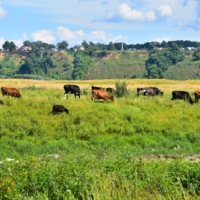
[(111, 46), (39, 60)]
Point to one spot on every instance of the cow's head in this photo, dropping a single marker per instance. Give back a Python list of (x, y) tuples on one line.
[(111, 98)]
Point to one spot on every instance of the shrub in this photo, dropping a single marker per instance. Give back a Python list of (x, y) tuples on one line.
[(121, 89)]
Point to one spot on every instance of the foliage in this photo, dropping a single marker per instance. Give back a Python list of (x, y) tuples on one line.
[(8, 66), (111, 46), (134, 148), (35, 65), (159, 61), (196, 55), (81, 66), (105, 61), (9, 46), (121, 89), (62, 45), (26, 76), (121, 177)]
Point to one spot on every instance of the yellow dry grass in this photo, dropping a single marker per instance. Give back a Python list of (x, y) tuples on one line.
[(164, 85)]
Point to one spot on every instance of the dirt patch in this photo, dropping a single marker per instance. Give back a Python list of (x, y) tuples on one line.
[(189, 158)]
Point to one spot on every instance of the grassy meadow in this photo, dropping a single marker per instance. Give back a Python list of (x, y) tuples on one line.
[(132, 148)]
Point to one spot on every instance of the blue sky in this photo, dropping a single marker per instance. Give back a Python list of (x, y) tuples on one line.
[(104, 21)]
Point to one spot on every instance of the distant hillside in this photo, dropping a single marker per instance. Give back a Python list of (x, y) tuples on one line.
[(114, 65), (119, 64), (185, 70)]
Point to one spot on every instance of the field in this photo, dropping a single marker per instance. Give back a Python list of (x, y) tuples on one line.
[(132, 148)]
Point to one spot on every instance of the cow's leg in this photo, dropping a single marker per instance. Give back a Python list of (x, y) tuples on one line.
[(65, 95), (93, 98)]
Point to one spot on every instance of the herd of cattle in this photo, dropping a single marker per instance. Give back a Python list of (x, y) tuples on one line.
[(177, 94), (105, 94)]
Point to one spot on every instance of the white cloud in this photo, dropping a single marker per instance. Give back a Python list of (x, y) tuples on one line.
[(166, 39), (105, 37), (99, 35), (129, 14), (64, 33), (43, 35), (3, 12), (125, 12), (165, 10), (20, 41), (150, 16), (77, 37)]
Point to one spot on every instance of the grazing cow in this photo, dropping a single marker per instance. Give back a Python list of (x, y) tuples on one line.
[(149, 91), (97, 88), (101, 94), (182, 95), (58, 109), (1, 102), (10, 92), (110, 90), (73, 89), (157, 91), (197, 95)]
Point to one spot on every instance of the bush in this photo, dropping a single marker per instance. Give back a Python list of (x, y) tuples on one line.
[(121, 89)]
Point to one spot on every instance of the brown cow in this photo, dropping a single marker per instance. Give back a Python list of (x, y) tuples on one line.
[(197, 95), (10, 92), (101, 94)]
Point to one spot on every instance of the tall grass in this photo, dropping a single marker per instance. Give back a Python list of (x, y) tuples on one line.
[(100, 150)]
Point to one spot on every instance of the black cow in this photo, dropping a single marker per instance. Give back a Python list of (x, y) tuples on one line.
[(58, 109), (73, 89), (145, 91), (157, 91), (110, 90), (182, 95), (149, 91), (97, 88)]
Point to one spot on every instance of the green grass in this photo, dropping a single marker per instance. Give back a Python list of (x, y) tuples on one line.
[(100, 150), (129, 64)]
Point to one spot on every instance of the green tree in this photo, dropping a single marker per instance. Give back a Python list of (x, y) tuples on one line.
[(36, 65), (85, 44), (196, 55), (111, 46), (159, 61), (62, 45), (82, 64), (150, 46), (9, 46)]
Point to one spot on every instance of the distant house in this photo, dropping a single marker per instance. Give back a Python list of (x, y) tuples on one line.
[(54, 49), (25, 48), (78, 47), (160, 48), (191, 48)]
